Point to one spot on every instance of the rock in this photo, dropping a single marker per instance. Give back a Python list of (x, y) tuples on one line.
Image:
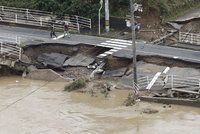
[(79, 60), (77, 72), (54, 60), (108, 86), (149, 111), (25, 59), (31, 68)]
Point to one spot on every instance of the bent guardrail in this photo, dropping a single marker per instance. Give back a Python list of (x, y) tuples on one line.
[(191, 38), (170, 82), (12, 51)]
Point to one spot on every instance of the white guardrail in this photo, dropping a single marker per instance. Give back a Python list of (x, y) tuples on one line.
[(10, 50), (170, 81), (191, 38), (42, 18), (9, 47)]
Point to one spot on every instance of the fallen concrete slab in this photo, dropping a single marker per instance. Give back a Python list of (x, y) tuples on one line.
[(53, 59), (79, 60)]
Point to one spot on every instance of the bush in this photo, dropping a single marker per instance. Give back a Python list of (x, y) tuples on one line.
[(131, 100), (77, 84)]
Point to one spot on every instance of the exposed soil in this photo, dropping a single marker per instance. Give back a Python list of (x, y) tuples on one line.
[(6, 71), (116, 63), (77, 72), (151, 27), (33, 51), (167, 62)]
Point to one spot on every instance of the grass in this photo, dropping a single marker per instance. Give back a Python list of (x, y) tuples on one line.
[(198, 100), (180, 12), (77, 84)]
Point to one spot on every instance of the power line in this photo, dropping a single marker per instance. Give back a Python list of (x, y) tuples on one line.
[(10, 105)]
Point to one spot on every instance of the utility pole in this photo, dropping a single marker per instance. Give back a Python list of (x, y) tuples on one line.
[(134, 7), (107, 16), (101, 5)]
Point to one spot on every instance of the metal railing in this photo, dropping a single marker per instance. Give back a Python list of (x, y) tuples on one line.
[(42, 18), (12, 51), (191, 38), (170, 82), (81, 21), (10, 47)]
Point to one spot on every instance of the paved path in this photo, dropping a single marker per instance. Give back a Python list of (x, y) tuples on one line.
[(119, 48)]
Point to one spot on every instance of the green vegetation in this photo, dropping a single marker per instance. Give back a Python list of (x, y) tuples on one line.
[(77, 84), (198, 100), (89, 8)]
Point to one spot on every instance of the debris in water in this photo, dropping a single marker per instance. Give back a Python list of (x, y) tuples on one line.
[(149, 111)]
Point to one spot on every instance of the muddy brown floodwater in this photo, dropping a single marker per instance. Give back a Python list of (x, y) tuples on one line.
[(38, 107)]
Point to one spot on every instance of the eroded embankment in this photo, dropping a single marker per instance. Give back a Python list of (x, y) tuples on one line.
[(80, 60), (7, 71), (34, 51)]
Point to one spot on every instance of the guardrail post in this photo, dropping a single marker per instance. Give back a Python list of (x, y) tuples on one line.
[(192, 38), (40, 21), (20, 53), (78, 28), (199, 86), (2, 8), (27, 12), (77, 22), (172, 81), (147, 80), (18, 41), (1, 48), (90, 24), (16, 18)]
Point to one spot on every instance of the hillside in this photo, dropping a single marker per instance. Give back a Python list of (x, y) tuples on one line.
[(166, 8)]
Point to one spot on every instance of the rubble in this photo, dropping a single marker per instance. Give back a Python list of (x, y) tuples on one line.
[(149, 111), (54, 60)]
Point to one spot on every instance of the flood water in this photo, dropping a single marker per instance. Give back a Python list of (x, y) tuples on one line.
[(38, 107)]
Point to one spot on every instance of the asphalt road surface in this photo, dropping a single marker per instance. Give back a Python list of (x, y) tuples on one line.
[(120, 48)]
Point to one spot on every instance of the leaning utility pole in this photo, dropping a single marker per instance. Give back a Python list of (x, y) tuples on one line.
[(133, 43), (107, 16), (134, 7)]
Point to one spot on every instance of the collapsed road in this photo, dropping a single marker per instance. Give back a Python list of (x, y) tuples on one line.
[(30, 36)]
